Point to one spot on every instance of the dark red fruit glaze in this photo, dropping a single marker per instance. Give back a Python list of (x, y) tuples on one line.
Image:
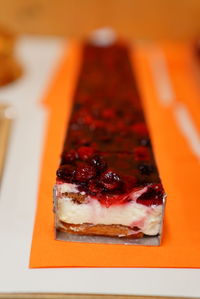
[(153, 195), (110, 180), (84, 172), (85, 152), (107, 151), (141, 153)]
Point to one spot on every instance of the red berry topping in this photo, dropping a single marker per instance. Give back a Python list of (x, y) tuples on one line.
[(98, 162), (83, 141), (146, 169), (85, 152), (140, 129), (87, 119), (108, 113), (69, 156), (141, 153), (129, 182), (84, 172), (111, 128), (153, 195), (98, 124), (65, 172), (108, 132), (94, 187), (145, 142), (110, 180)]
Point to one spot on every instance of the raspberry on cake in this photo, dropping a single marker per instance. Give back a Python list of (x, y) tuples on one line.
[(107, 182)]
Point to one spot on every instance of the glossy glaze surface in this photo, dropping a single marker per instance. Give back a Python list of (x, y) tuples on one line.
[(107, 151)]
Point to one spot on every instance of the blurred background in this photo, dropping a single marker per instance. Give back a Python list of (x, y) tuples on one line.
[(143, 19)]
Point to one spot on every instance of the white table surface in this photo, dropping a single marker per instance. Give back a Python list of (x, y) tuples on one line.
[(18, 195)]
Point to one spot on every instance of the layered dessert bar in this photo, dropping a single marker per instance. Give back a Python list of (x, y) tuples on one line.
[(107, 182)]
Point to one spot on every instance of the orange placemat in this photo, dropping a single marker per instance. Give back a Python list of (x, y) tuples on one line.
[(178, 165)]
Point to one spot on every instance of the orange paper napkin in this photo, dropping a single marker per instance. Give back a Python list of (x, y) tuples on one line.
[(177, 163)]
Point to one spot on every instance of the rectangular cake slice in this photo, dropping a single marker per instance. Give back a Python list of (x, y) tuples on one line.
[(107, 182)]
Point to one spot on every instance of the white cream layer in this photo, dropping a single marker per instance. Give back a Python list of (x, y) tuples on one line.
[(148, 219)]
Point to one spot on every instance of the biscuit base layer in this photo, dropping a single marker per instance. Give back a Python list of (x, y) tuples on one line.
[(100, 230)]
